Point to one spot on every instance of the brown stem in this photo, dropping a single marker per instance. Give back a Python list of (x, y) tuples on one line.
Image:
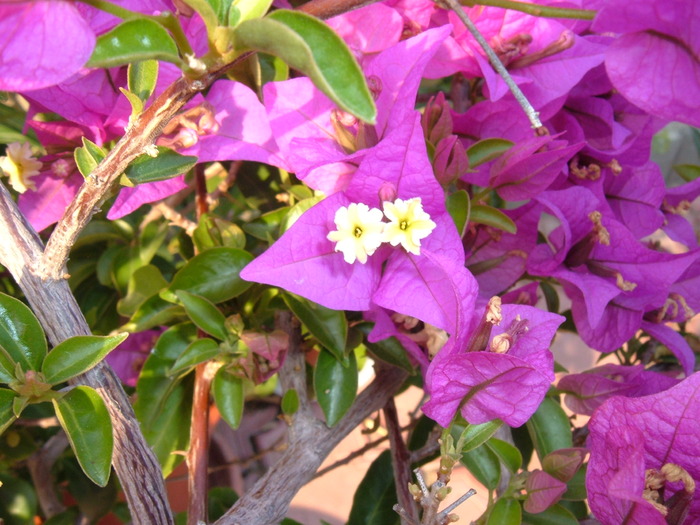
[(401, 462), (59, 314), (39, 465), (198, 453)]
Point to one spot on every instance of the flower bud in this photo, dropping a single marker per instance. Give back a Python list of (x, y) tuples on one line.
[(451, 161), (437, 119)]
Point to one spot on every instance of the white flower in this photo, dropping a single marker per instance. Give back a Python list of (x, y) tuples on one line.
[(359, 232), (19, 165), (409, 224)]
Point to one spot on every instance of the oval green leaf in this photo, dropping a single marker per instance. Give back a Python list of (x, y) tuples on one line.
[(506, 511), (484, 464), (7, 415), (330, 327), (134, 41), (458, 206), (142, 78), (77, 355), (335, 385), (154, 311), (214, 274), (22, 339), (166, 165), (204, 314), (549, 428), (509, 454), (474, 436), (164, 404), (490, 216), (290, 402), (84, 417), (486, 150), (199, 351), (554, 515), (376, 495), (310, 46), (229, 396)]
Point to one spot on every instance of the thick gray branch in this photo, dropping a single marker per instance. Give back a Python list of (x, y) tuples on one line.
[(309, 444), (59, 314)]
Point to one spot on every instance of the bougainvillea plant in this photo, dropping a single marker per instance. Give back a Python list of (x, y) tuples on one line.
[(229, 210)]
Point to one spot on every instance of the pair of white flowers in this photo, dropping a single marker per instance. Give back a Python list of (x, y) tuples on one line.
[(361, 230)]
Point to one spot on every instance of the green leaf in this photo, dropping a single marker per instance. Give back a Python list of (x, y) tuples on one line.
[(484, 464), (549, 428), (18, 502), (88, 157), (164, 404), (290, 402), (7, 415), (297, 211), (207, 9), (389, 350), (376, 495), (330, 327), (689, 172), (136, 108), (229, 396), (213, 231), (576, 487), (142, 78), (134, 41), (22, 339), (310, 46), (458, 205), (145, 282), (213, 274), (77, 355), (204, 314), (242, 10), (486, 150), (335, 385), (551, 296), (166, 165), (506, 511), (509, 454), (197, 352), (154, 311), (84, 417), (490, 216), (554, 515), (475, 435)]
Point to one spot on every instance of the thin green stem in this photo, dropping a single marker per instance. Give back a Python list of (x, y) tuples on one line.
[(112, 9), (544, 11)]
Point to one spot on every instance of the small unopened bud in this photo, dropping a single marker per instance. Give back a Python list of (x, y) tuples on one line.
[(443, 493), (375, 86), (452, 518), (450, 161), (437, 119), (415, 491), (387, 192)]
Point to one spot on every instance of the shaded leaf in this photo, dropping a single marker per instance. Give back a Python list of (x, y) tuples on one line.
[(335, 385), (330, 327), (549, 428), (484, 464), (22, 339), (84, 417), (197, 352), (7, 416), (458, 206), (164, 404), (229, 396), (555, 515), (506, 511), (376, 495), (204, 314), (509, 454)]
